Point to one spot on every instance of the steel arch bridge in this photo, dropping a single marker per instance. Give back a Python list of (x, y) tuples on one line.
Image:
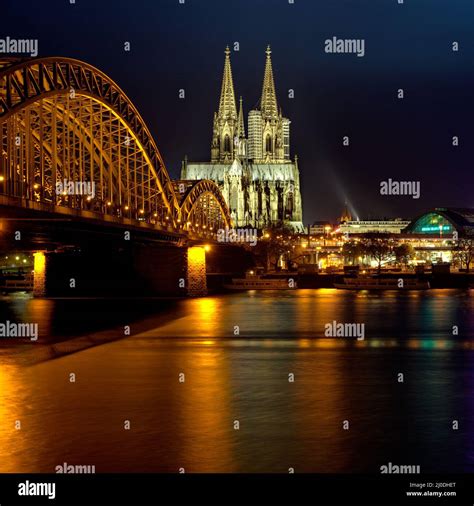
[(71, 139)]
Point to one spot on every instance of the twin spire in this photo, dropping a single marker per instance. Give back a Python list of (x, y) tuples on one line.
[(227, 108), (268, 132), (268, 101)]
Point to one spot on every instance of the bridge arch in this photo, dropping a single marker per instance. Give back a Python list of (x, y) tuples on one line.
[(64, 120), (202, 206)]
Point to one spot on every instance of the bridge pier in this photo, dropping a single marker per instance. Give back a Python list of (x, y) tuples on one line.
[(39, 274), (108, 270), (196, 271)]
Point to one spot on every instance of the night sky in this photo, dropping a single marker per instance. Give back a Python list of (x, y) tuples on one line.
[(407, 46)]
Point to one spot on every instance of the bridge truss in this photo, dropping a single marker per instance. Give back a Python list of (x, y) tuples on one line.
[(70, 137)]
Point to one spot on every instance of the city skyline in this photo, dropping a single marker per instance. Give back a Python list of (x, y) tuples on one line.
[(237, 246), (334, 94)]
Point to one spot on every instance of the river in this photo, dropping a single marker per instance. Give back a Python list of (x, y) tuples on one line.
[(245, 382)]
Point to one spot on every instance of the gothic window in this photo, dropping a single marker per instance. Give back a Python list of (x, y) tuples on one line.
[(268, 144), (289, 206), (280, 203), (227, 144), (267, 199)]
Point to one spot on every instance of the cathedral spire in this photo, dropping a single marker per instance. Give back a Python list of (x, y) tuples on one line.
[(268, 102), (241, 125), (227, 107)]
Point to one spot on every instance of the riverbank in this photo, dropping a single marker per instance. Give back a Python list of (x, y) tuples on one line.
[(323, 280), (451, 280)]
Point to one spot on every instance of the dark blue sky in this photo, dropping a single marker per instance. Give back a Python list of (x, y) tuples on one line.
[(407, 46)]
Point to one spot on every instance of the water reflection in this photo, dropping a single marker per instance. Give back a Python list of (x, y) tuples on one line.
[(243, 376), (13, 419)]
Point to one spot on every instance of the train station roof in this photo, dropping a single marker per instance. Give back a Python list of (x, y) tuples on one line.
[(444, 221)]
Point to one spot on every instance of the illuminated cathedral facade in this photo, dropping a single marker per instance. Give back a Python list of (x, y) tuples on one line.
[(255, 173)]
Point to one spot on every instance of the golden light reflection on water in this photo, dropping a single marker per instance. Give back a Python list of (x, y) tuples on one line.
[(208, 342), (205, 421), (12, 451), (228, 377), (205, 317), (32, 310), (42, 311)]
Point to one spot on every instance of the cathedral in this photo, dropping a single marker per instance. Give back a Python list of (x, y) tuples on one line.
[(255, 173)]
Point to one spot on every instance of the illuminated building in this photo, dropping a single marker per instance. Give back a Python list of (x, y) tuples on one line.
[(443, 221), (434, 234), (320, 228), (259, 181), (394, 226)]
